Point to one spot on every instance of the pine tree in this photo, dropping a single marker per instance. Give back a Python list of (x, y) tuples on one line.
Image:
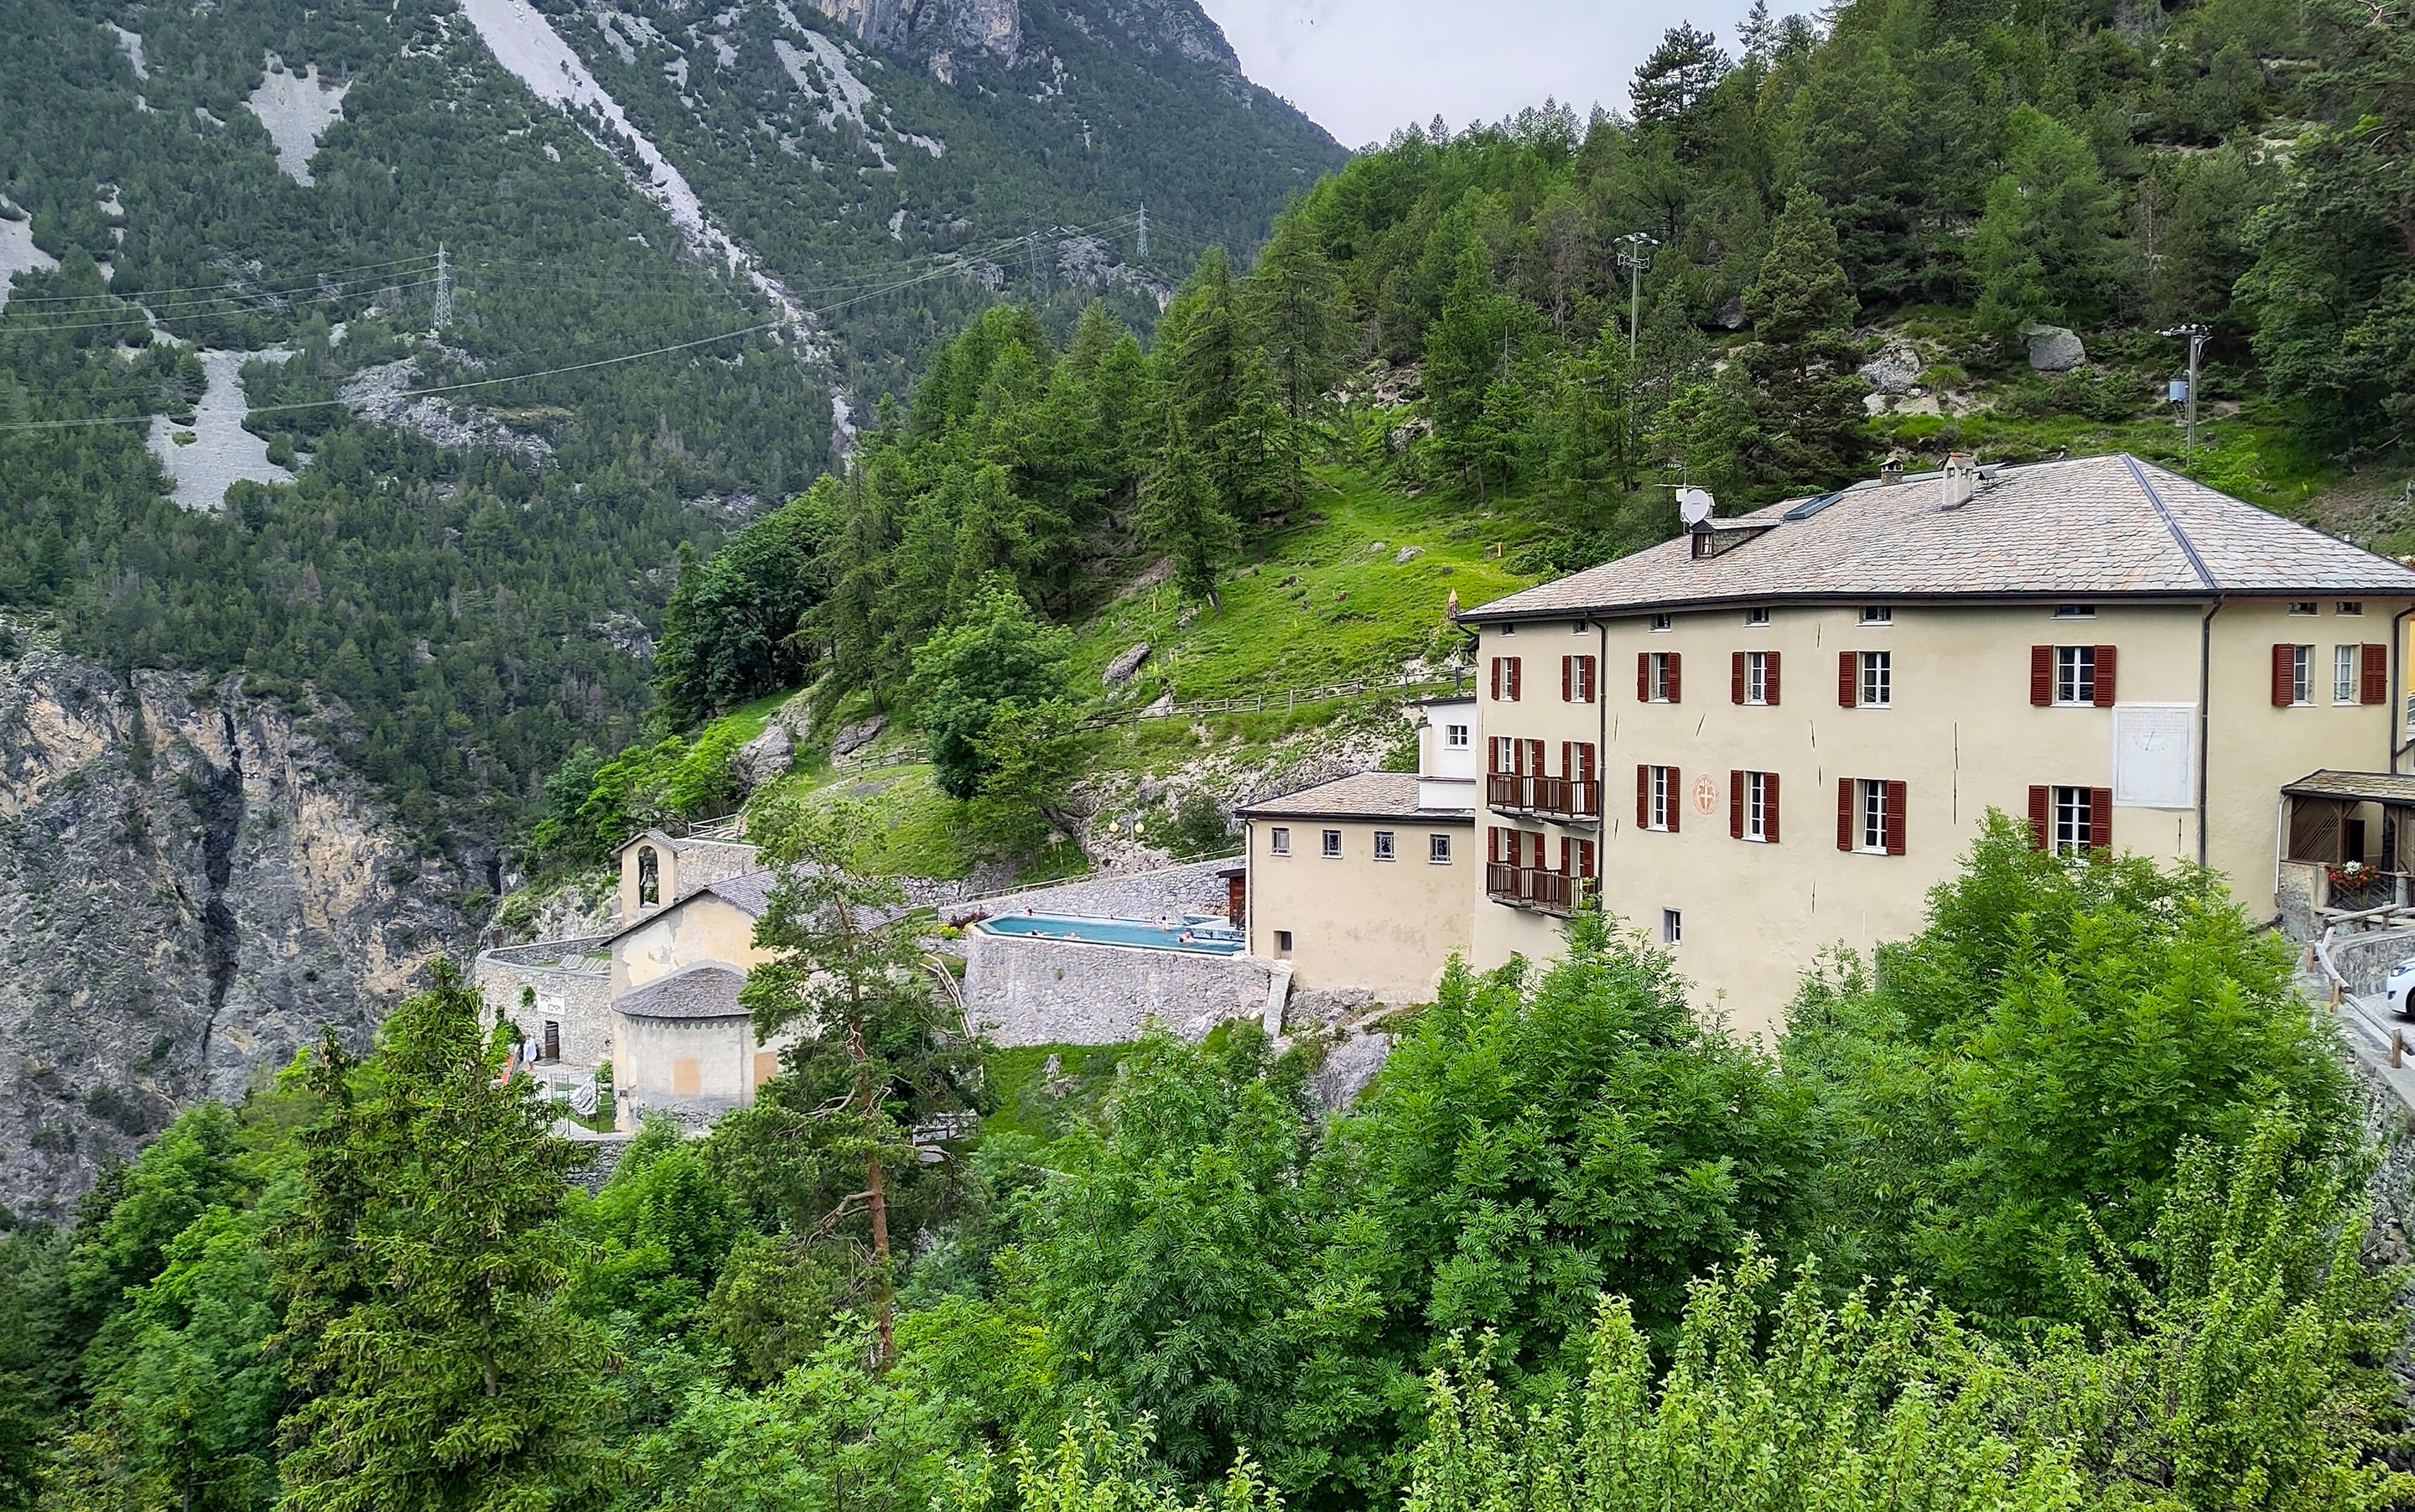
[(422, 1269), (1181, 515), (2044, 249), (1295, 302), (1807, 400), (878, 1052)]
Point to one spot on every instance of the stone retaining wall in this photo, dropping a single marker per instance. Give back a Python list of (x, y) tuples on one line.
[(2364, 958), (1027, 991), (572, 985), (1168, 892)]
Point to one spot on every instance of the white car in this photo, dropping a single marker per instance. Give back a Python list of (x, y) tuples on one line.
[(2401, 984)]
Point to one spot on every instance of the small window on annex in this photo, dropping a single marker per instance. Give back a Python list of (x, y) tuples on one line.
[(1279, 840), (1455, 737), (1438, 849), (1673, 927), (1333, 841), (1384, 844)]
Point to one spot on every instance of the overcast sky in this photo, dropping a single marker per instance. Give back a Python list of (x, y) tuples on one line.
[(1362, 69)]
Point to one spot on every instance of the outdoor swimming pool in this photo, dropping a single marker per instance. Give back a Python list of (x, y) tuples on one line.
[(1206, 939)]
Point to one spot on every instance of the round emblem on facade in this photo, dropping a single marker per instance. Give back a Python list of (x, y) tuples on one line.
[(1706, 794)]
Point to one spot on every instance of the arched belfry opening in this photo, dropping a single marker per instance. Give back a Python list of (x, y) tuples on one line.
[(649, 877)]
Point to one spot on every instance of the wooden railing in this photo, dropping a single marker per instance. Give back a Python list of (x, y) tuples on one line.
[(1558, 798), (1529, 887)]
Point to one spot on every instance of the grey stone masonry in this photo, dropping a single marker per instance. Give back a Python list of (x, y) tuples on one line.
[(571, 981), (1027, 991), (1167, 892)]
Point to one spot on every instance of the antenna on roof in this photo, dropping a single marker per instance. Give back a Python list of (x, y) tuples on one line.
[(1694, 506)]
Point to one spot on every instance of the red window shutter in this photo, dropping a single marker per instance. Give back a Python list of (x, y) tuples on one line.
[(2040, 798), (1735, 805), (1676, 798), (2372, 669), (1677, 666), (1844, 814), (1769, 806), (1538, 852), (2041, 675), (1895, 797), (1567, 758), (1497, 680), (1516, 677), (1849, 680), (2285, 676), (1567, 678), (1769, 678), (1592, 671), (2100, 819), (1534, 758), (1585, 762), (2104, 677), (1643, 677), (1585, 858), (1735, 677), (1643, 797), (1492, 842)]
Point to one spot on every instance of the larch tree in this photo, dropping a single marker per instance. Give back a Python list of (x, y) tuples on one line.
[(1806, 399), (878, 1056)]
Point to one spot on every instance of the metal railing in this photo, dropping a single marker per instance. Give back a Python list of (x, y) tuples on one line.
[(1566, 799), (1529, 887)]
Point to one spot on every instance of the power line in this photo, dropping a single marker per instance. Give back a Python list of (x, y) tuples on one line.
[(136, 312), (235, 284)]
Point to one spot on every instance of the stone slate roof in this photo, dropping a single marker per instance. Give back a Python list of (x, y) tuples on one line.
[(2089, 528), (1370, 795), (2363, 787), (678, 844), (705, 990)]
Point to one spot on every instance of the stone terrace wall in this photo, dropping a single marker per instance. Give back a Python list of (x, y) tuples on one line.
[(1032, 992), (1167, 892), (572, 983)]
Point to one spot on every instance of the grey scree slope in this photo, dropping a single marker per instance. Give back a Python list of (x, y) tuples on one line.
[(2087, 527)]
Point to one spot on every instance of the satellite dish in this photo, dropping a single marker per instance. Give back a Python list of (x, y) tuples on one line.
[(1694, 506)]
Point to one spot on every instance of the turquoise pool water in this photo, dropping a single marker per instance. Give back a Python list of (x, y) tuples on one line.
[(1204, 940)]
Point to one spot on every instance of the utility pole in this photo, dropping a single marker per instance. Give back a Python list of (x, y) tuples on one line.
[(443, 289), (2197, 337), (1144, 228), (1634, 256)]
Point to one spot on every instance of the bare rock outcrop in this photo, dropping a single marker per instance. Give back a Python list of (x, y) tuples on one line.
[(196, 886)]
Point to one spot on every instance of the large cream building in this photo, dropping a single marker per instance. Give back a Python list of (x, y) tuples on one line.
[(1775, 734)]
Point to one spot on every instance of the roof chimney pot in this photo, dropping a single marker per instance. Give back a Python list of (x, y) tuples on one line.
[(1958, 481)]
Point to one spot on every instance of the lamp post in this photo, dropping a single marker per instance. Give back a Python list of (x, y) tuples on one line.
[(2196, 336)]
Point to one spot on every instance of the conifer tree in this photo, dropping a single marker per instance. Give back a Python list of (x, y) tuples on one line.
[(1182, 515), (879, 1050), (422, 1269), (2044, 250), (1294, 300), (1806, 401)]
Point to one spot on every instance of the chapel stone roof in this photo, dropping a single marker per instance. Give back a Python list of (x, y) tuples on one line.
[(703, 990), (2088, 527)]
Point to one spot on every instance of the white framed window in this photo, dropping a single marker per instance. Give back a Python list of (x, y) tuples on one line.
[(1579, 628), (2344, 682), (1438, 849), (1663, 797), (1455, 737), (1877, 614), (1874, 816), (1756, 677), (2302, 674), (2075, 675), (2075, 611), (1657, 681), (1753, 617), (2304, 605), (2074, 822), (1279, 840), (1384, 844), (1509, 627), (2348, 605), (1673, 927), (1756, 805), (1877, 679), (1332, 843), (1662, 621)]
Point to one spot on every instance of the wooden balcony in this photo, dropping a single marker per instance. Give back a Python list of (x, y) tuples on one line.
[(1562, 800), (1530, 887)]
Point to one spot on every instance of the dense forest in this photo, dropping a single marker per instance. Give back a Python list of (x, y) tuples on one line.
[(1953, 1243), (476, 611)]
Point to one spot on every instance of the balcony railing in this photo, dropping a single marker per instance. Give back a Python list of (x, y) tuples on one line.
[(1529, 887), (1569, 799)]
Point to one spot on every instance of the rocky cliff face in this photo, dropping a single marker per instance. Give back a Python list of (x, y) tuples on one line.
[(922, 24), (189, 886)]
